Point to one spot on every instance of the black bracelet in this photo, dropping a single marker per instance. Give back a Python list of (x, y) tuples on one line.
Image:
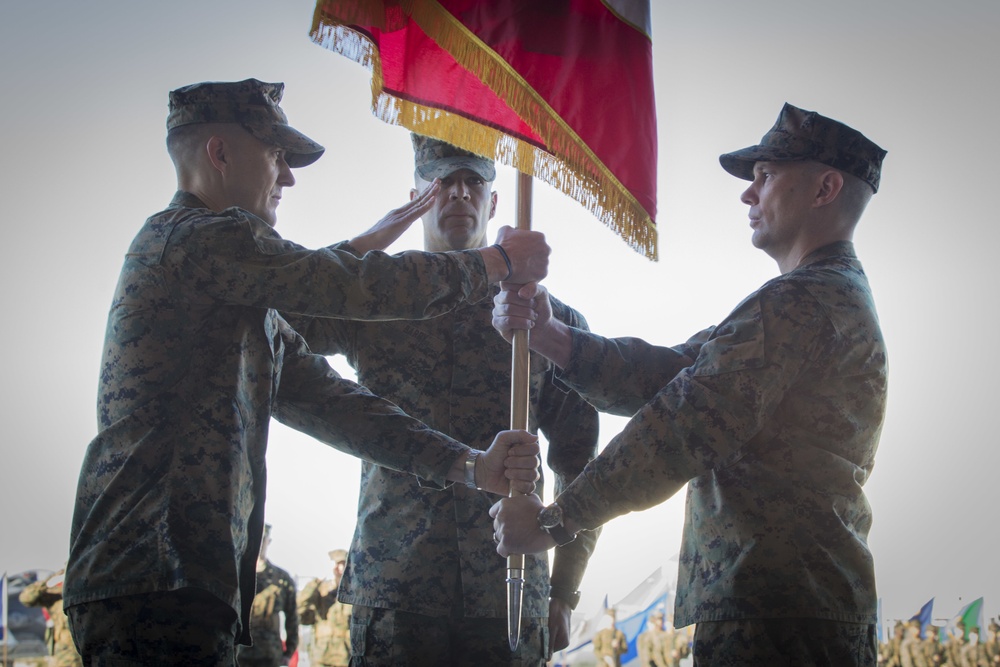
[(572, 598), (506, 259)]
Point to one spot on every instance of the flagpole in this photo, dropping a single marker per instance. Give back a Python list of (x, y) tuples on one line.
[(519, 382)]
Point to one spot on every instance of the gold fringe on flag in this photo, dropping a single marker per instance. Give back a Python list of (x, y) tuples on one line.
[(566, 163)]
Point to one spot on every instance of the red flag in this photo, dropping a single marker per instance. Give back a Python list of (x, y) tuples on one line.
[(561, 89)]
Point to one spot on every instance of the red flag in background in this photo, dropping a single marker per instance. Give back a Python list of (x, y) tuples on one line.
[(560, 89)]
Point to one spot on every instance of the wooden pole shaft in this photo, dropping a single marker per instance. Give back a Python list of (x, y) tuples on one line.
[(519, 383)]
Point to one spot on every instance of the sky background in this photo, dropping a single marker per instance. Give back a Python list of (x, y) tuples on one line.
[(83, 128)]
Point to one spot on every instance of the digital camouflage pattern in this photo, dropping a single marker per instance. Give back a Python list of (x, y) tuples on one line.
[(39, 594), (251, 104), (188, 627), (275, 596), (434, 158), (391, 638), (197, 361), (806, 135), (418, 548), (772, 418), (330, 619), (811, 642)]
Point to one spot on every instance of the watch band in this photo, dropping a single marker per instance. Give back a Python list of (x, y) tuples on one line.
[(550, 519), (470, 469), (559, 534), (571, 598)]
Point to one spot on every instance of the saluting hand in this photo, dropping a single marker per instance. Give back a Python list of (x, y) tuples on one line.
[(385, 232)]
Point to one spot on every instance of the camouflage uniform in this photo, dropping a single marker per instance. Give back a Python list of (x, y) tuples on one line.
[(773, 416), (420, 550), (992, 646), (330, 619), (682, 646), (275, 594), (196, 363), (953, 648), (772, 420), (910, 652), (930, 647), (889, 651), (39, 594), (655, 646), (610, 645)]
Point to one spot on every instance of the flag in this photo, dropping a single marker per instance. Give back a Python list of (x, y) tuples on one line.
[(3, 607), (632, 612), (562, 91), (924, 615), (635, 625), (970, 618), (879, 622)]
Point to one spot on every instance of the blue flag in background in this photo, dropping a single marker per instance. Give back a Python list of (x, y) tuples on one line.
[(879, 622), (635, 625), (924, 616)]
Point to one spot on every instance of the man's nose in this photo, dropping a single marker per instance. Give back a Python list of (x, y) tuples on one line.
[(459, 191), (285, 177)]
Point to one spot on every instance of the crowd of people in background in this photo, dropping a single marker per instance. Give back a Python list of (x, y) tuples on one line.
[(279, 610), (911, 644)]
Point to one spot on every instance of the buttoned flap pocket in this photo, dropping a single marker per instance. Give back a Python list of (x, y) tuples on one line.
[(359, 632), (737, 344)]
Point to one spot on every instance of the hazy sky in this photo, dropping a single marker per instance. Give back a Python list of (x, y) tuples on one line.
[(83, 125)]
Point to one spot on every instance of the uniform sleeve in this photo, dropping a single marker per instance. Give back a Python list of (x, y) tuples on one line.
[(571, 427), (326, 335), (306, 602), (38, 595), (314, 399), (619, 375), (235, 258), (702, 417)]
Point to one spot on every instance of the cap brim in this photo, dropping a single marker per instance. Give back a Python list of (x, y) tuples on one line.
[(300, 150), (448, 165), (740, 163)]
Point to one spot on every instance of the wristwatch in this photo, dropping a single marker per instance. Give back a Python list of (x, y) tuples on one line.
[(571, 598), (550, 519)]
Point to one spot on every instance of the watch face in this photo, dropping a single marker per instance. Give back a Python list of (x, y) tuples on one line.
[(550, 516)]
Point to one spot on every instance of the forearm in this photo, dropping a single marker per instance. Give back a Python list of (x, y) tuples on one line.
[(497, 268), (569, 563), (554, 341)]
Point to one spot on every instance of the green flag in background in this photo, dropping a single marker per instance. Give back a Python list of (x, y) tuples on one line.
[(971, 618)]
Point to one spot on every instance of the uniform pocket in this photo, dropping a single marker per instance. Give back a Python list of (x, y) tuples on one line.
[(359, 636)]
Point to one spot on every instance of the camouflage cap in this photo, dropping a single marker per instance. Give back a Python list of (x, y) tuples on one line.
[(434, 158), (806, 135), (253, 105), (338, 555)]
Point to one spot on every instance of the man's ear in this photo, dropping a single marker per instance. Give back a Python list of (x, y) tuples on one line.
[(829, 185), (493, 204), (217, 153)]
